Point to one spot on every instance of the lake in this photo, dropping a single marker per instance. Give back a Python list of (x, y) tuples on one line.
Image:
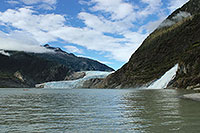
[(97, 110)]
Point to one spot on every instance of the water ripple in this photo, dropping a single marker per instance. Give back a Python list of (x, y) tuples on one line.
[(85, 110)]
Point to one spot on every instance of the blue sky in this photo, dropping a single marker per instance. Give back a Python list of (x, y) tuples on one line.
[(109, 31)]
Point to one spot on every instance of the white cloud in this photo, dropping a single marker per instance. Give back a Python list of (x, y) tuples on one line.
[(181, 15), (73, 49), (46, 7), (152, 25), (103, 25), (124, 52), (44, 4), (174, 4), (13, 2), (37, 25), (169, 22), (30, 2), (88, 38), (152, 7), (19, 41), (117, 8), (119, 25), (135, 37)]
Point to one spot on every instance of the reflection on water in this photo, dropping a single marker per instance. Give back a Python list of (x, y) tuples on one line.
[(82, 110)]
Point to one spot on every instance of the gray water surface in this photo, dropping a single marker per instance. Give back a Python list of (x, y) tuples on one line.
[(97, 110)]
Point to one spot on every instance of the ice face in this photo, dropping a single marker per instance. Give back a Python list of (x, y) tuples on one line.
[(77, 83), (165, 79)]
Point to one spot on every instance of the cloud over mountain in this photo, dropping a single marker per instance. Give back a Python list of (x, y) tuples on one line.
[(20, 42)]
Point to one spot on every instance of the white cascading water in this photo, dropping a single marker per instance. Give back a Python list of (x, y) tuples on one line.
[(165, 79), (4, 53), (73, 84)]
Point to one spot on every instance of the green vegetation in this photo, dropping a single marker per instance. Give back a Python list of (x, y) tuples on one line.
[(196, 45), (160, 32)]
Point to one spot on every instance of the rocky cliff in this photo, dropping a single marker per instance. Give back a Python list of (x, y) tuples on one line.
[(176, 40), (188, 75), (22, 69)]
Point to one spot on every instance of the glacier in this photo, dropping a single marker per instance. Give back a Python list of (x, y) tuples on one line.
[(73, 84), (165, 79)]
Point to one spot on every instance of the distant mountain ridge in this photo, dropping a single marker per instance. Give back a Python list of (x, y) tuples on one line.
[(24, 69), (175, 43)]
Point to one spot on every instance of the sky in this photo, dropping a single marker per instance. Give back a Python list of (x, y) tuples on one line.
[(109, 31)]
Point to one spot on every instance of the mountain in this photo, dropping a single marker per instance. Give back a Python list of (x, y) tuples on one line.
[(175, 41), (73, 62), (23, 69)]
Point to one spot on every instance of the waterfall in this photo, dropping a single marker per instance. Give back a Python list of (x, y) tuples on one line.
[(4, 53), (72, 84), (165, 79)]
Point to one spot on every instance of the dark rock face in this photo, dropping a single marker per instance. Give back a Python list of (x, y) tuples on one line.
[(164, 48), (22, 69), (188, 74), (92, 83), (75, 76)]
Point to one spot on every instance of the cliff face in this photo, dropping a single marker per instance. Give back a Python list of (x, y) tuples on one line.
[(188, 75), (165, 47), (22, 69)]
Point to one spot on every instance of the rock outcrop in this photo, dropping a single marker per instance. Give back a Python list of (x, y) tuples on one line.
[(93, 83), (75, 76), (19, 76), (188, 75)]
